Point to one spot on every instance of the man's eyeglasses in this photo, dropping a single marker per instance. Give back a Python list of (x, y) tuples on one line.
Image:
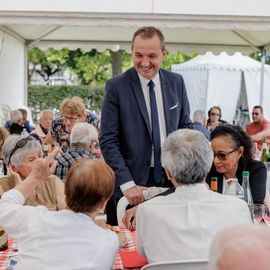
[(255, 113), (20, 144), (213, 114), (65, 118), (222, 155)]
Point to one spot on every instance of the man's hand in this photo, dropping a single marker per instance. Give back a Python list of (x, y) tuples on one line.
[(129, 219), (134, 195)]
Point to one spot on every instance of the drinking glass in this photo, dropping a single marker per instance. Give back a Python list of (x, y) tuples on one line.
[(266, 216), (257, 213)]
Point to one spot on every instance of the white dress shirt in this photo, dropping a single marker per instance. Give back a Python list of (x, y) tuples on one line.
[(181, 226), (55, 240), (161, 117)]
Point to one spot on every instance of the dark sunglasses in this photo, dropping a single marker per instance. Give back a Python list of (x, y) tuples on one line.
[(213, 114), (255, 113), (222, 155), (20, 144)]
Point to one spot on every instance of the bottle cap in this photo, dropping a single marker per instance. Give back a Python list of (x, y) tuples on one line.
[(245, 173), (213, 178)]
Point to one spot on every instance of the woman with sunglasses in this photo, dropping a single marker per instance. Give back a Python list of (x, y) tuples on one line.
[(20, 154), (214, 118), (232, 149)]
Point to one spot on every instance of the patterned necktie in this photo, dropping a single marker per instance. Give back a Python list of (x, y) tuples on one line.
[(155, 132)]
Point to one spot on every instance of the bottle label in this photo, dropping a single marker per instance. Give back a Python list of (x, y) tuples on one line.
[(213, 185)]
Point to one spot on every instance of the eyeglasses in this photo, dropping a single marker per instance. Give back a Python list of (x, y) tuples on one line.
[(20, 144), (213, 114), (222, 155), (65, 118), (255, 113)]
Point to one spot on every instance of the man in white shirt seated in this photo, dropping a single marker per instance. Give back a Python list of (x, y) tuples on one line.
[(241, 248), (181, 226)]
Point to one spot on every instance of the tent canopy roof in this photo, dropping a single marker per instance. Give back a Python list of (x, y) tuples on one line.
[(100, 24), (221, 61)]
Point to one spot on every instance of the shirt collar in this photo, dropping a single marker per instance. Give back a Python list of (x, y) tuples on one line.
[(144, 81), (184, 189)]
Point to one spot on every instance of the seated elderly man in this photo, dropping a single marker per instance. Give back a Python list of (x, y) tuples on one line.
[(83, 139), (45, 120), (20, 154), (66, 239), (241, 248), (15, 124), (181, 225)]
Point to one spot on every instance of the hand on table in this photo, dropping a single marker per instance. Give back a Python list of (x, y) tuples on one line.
[(129, 219)]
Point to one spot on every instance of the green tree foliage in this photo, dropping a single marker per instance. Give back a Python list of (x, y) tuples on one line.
[(41, 97), (46, 63)]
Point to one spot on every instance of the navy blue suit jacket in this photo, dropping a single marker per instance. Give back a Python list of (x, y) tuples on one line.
[(125, 135)]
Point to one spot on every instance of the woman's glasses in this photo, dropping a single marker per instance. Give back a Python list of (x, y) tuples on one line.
[(214, 114), (223, 155), (20, 144)]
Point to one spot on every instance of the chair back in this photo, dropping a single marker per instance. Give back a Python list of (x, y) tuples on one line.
[(178, 265), (121, 209)]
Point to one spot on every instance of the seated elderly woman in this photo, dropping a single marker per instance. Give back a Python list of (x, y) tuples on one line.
[(181, 226), (69, 238), (232, 149), (73, 111), (21, 153)]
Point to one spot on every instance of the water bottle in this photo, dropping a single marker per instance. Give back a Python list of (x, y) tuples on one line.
[(247, 192), (234, 189)]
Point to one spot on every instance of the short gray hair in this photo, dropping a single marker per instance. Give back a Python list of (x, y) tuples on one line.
[(15, 116), (199, 116), (46, 111), (32, 146), (83, 133), (242, 241), (187, 155)]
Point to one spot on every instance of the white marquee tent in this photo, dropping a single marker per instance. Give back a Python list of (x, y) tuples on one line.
[(236, 25), (228, 81)]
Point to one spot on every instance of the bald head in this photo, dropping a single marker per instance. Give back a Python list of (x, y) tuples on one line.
[(241, 248)]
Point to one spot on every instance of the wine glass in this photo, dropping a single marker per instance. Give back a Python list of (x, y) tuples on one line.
[(266, 216), (258, 211)]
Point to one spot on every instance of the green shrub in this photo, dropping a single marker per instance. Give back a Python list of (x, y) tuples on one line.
[(42, 97)]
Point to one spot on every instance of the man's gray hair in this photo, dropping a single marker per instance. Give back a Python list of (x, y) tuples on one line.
[(236, 244), (32, 146), (83, 133), (15, 116), (187, 155), (199, 116), (46, 111)]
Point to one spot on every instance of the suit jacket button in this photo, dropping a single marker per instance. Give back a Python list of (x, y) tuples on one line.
[(148, 163)]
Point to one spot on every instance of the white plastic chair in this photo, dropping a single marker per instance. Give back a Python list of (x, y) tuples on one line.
[(178, 265), (121, 209)]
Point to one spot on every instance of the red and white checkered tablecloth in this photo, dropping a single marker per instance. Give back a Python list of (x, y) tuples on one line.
[(7, 254), (130, 245)]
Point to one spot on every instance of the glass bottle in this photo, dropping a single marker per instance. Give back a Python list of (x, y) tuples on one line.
[(45, 150), (3, 240), (213, 184), (247, 192), (264, 151)]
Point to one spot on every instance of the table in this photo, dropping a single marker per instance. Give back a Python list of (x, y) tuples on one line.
[(129, 246)]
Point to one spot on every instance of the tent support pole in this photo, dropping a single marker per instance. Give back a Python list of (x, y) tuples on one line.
[(262, 76)]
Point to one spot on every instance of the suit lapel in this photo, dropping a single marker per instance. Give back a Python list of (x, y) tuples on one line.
[(165, 97), (138, 92)]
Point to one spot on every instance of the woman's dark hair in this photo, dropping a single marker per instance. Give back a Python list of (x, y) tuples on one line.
[(238, 136)]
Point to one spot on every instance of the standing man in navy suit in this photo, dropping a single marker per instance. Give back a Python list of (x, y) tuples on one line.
[(141, 107)]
